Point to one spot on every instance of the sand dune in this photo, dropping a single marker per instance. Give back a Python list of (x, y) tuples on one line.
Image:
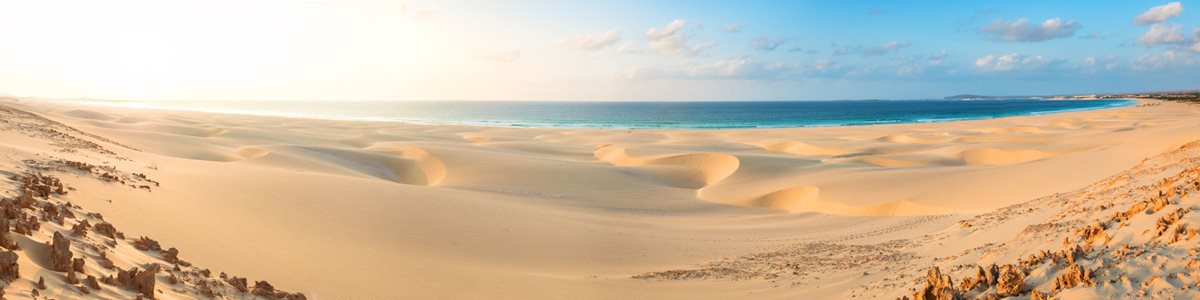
[(993, 156), (377, 210), (475, 138), (89, 114), (904, 138), (692, 170), (800, 148)]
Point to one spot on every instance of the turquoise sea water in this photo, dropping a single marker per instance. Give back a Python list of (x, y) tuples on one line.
[(665, 114)]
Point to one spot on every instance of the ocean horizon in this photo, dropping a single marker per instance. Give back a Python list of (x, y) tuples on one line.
[(641, 114)]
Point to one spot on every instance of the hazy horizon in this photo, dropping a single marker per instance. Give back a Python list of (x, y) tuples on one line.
[(377, 50)]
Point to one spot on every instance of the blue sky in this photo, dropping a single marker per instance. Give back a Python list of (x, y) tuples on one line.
[(601, 50)]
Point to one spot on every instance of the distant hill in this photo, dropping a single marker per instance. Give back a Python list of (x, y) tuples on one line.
[(985, 97)]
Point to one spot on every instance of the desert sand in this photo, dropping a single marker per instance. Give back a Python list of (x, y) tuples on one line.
[(381, 210)]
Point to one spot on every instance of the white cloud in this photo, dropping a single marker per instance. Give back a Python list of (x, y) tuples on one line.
[(591, 41), (1022, 31), (742, 68), (499, 57), (885, 49), (1094, 64), (1195, 41), (766, 43), (1011, 62), (732, 27), (1162, 34), (673, 40), (415, 12), (937, 57), (1162, 61), (1160, 13), (628, 48)]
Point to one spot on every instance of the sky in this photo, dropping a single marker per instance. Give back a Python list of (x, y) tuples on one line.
[(592, 50)]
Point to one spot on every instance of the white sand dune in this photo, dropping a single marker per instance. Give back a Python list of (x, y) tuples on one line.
[(377, 210)]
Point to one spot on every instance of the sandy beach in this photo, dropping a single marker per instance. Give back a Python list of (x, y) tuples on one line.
[(379, 210)]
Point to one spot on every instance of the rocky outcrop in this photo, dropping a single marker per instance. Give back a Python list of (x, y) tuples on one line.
[(238, 283), (91, 282), (60, 253), (141, 281), (107, 229), (1074, 276), (1011, 281), (8, 266), (937, 286), (146, 244)]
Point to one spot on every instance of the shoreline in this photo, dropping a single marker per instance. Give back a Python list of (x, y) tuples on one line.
[(1131, 102)]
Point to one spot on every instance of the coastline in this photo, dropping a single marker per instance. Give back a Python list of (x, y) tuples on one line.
[(550, 125), (406, 210)]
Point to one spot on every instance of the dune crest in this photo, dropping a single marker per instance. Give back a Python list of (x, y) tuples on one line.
[(994, 156), (430, 165), (475, 138), (891, 161), (89, 114), (908, 139), (807, 199), (801, 148), (692, 170)]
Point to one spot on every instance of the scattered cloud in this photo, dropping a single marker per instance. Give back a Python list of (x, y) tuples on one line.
[(499, 57), (741, 68), (1092, 64), (803, 50), (591, 41), (1167, 60), (415, 12), (628, 48), (732, 27), (1012, 62), (672, 40), (1097, 36), (885, 49), (1159, 14), (937, 57), (1022, 31), (768, 44), (1162, 34)]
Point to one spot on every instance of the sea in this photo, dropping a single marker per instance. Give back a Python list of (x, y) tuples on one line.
[(643, 114)]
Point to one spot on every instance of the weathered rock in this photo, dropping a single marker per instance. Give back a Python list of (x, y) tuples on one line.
[(106, 229), (937, 286), (1011, 281), (171, 255), (41, 285), (71, 278), (77, 264), (263, 288), (146, 244), (1038, 295), (1074, 276), (92, 282), (8, 266), (60, 253), (238, 283), (144, 281), (79, 230)]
